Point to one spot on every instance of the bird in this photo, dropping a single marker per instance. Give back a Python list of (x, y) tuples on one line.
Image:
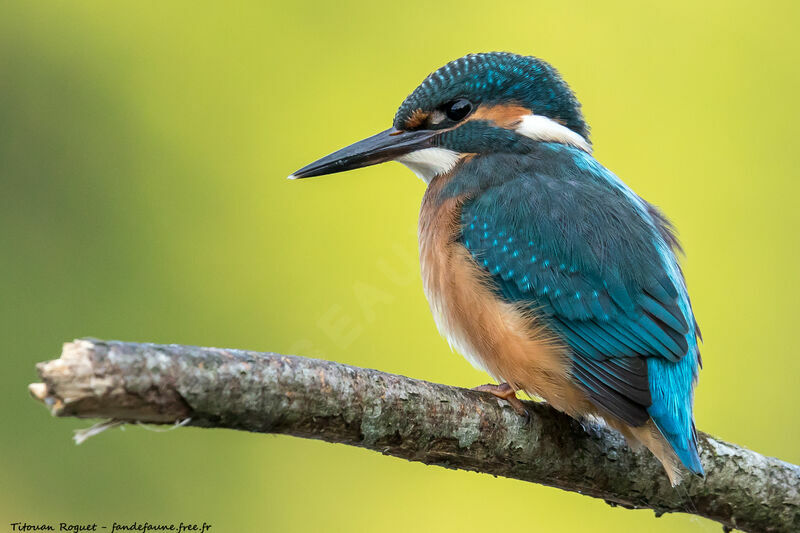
[(541, 266)]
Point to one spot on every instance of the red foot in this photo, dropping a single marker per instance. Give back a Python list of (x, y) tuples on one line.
[(505, 392)]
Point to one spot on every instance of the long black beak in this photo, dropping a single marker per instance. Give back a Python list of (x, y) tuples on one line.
[(385, 146)]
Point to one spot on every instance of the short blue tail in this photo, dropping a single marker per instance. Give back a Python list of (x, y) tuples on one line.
[(671, 389)]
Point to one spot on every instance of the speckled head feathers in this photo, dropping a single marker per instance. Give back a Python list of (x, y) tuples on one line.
[(497, 78)]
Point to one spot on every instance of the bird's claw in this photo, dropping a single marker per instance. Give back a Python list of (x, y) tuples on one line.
[(505, 392)]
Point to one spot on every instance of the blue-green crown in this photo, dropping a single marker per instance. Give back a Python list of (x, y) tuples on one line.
[(498, 78)]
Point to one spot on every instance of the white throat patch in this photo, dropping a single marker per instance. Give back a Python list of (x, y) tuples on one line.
[(430, 162), (541, 128)]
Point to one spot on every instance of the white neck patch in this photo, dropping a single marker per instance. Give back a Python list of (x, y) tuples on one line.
[(430, 162), (541, 128)]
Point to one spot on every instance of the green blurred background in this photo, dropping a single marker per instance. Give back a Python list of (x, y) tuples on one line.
[(143, 153)]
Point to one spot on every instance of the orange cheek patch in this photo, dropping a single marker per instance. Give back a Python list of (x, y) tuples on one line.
[(503, 116), (418, 118)]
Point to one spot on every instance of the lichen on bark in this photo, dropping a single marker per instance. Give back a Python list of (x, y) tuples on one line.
[(416, 420)]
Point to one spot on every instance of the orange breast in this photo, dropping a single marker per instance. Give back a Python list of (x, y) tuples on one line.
[(499, 337)]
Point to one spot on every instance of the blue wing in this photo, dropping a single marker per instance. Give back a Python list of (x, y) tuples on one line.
[(595, 261)]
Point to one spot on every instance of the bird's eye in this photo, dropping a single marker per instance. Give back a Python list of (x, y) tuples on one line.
[(457, 109)]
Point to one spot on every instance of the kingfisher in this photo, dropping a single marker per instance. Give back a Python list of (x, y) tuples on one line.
[(540, 266)]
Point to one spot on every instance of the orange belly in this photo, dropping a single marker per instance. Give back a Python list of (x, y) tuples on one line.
[(501, 338)]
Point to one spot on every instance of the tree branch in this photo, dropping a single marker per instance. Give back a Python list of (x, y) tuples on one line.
[(416, 420)]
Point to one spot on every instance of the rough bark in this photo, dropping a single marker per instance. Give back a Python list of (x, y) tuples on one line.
[(416, 420)]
